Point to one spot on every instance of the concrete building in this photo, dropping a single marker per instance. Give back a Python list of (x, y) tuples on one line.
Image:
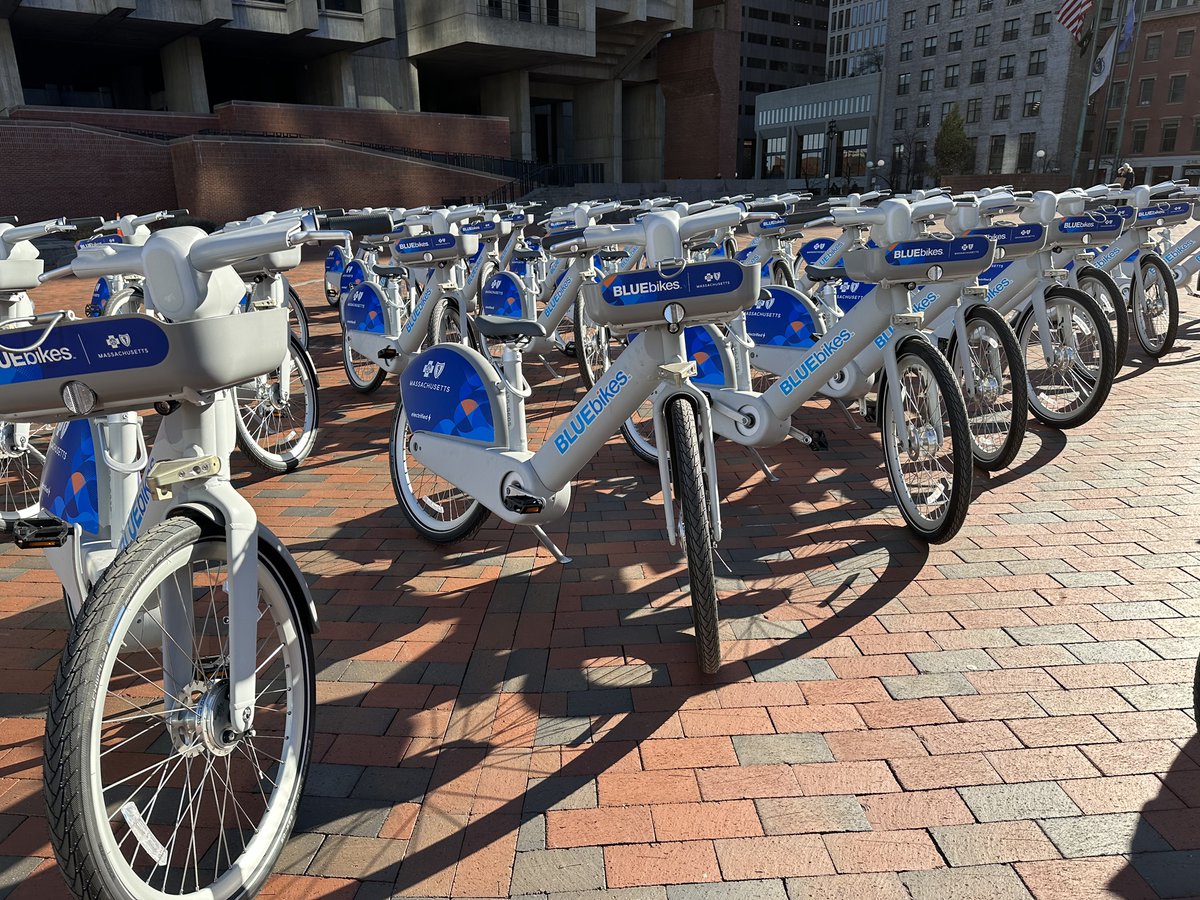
[(644, 88), (1015, 74), (784, 43), (857, 34), (1157, 88), (821, 133)]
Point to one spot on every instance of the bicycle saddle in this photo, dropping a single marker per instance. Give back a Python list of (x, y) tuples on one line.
[(502, 328), (825, 273), (390, 271), (526, 254)]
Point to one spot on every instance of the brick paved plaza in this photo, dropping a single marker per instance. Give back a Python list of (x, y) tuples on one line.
[(1002, 716)]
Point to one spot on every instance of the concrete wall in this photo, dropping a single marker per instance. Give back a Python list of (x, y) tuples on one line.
[(643, 126), (701, 103)]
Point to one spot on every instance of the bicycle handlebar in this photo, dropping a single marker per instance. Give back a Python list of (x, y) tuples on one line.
[(19, 233), (8, 220), (87, 223), (358, 225)]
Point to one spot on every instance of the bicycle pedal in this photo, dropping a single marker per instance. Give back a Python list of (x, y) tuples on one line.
[(388, 353), (38, 534), (523, 504), (819, 440), (568, 349)]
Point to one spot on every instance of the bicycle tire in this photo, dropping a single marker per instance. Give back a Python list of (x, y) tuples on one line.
[(89, 856), (947, 499), (1107, 293), (126, 301), (420, 507), (997, 455), (267, 409), (694, 530), (1156, 338), (298, 320), (1095, 373), (592, 344), (21, 472), (782, 275), (351, 365)]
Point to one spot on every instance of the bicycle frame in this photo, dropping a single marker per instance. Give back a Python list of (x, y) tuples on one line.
[(1182, 257)]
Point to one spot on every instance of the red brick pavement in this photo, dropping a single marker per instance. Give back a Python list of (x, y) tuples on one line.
[(1004, 715)]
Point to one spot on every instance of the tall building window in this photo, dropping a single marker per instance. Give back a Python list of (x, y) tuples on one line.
[(927, 79), (1153, 46), (930, 48), (905, 51), (923, 115), (1012, 29), (1169, 133), (1175, 88), (900, 122), (1196, 134), (996, 154), (974, 109), (932, 14), (981, 35), (1110, 140), (946, 107), (1033, 104), (1139, 139), (951, 76), (1037, 62), (910, 20), (1145, 92), (1041, 24), (1008, 65), (954, 41), (903, 82), (985, 5), (1003, 105), (979, 71), (1025, 151), (1116, 96), (1183, 43), (958, 8), (776, 157)]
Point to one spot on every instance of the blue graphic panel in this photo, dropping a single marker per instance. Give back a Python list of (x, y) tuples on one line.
[(480, 228), (363, 309), (80, 348), (1090, 224), (781, 320), (101, 294), (335, 261), (698, 280), (98, 240), (519, 267), (425, 243), (992, 271), (914, 253), (702, 349), (353, 275), (502, 296), (849, 292), (69, 476), (1165, 211), (444, 393), (812, 251), (1011, 235)]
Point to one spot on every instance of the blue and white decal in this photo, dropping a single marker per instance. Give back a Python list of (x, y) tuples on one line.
[(1165, 211), (101, 294), (98, 240), (703, 351), (480, 227), (1180, 250), (335, 261), (362, 310), (820, 355), (850, 292), (916, 253), (503, 296), (445, 394), (918, 306), (353, 275), (87, 347), (1011, 235), (991, 272), (781, 319), (771, 223), (812, 252), (701, 279), (69, 476), (563, 285), (425, 243), (590, 407), (1091, 224)]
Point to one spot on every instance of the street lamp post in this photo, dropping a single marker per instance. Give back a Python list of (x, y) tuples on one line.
[(879, 176), (1041, 158), (831, 134)]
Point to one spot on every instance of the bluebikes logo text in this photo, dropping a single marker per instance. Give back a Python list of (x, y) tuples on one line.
[(582, 420), (37, 357), (819, 356)]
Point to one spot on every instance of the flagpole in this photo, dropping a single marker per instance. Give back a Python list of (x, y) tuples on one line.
[(1102, 123), (1137, 30), (1087, 85)]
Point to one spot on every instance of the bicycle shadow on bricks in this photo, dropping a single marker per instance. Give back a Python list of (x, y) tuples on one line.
[(1162, 854), (1137, 363), (1051, 443)]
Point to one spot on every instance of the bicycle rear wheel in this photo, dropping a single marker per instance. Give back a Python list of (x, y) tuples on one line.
[(998, 406), (931, 475), (150, 791), (1099, 285), (1155, 307), (297, 315), (364, 375), (22, 455), (279, 435), (693, 526)]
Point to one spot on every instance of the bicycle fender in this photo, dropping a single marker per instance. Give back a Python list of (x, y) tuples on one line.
[(270, 546), (308, 356)]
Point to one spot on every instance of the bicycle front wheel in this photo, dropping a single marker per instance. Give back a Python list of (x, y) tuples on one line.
[(150, 790), (22, 455), (931, 473), (694, 528), (364, 375), (279, 433), (998, 398), (1099, 285), (297, 315), (592, 345), (440, 511), (1069, 388), (1155, 307)]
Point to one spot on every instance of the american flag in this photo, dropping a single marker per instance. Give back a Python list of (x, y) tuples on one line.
[(1072, 14)]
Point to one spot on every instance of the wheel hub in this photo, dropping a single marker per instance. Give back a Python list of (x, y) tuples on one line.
[(989, 388), (925, 442), (204, 725)]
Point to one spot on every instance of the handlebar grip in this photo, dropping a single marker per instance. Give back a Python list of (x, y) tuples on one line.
[(87, 223), (497, 207), (798, 218), (228, 247), (767, 206), (371, 223), (552, 240), (176, 213)]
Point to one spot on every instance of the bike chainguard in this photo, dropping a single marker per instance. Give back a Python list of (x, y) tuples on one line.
[(40, 533)]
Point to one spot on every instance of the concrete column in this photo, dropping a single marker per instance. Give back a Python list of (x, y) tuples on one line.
[(507, 94), (757, 157), (10, 79), (598, 126), (330, 81), (183, 76), (643, 127)]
